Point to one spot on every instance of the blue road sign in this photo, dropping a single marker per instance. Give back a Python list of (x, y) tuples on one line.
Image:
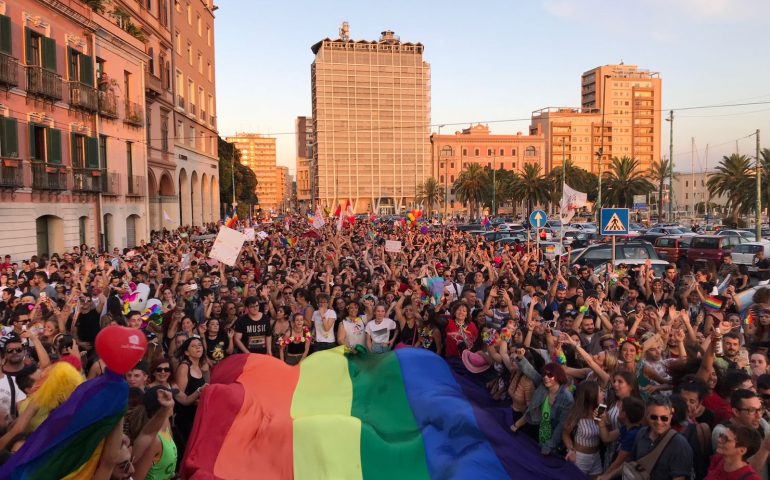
[(538, 218), (614, 221)]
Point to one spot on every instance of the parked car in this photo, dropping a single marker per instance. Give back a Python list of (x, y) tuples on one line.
[(468, 227), (673, 248), (711, 248), (658, 266), (745, 254), (655, 232), (749, 236), (496, 236), (601, 253), (584, 227)]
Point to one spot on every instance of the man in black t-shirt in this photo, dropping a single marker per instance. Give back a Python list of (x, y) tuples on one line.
[(252, 330), (762, 264)]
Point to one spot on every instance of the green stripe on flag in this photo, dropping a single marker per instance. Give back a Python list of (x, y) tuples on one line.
[(327, 440), (391, 444)]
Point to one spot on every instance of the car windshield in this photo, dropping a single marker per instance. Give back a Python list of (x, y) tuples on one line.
[(743, 248), (705, 242)]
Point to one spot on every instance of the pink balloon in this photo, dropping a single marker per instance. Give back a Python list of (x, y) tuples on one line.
[(121, 348)]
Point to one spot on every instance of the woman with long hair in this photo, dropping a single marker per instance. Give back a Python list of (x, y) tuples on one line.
[(461, 333), (161, 374), (624, 385), (295, 345), (192, 377), (280, 328), (219, 344), (581, 430)]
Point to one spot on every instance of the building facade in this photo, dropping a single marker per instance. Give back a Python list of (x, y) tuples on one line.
[(304, 145), (631, 101), (371, 118), (691, 194), (571, 134), (451, 153), (259, 154), (284, 186), (195, 134)]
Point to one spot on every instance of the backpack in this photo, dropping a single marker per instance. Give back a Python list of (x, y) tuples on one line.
[(698, 435), (642, 468)]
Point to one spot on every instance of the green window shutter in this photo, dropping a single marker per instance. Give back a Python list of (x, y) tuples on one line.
[(72, 66), (92, 152), (32, 152), (86, 70), (5, 34), (54, 145), (73, 150), (28, 46), (49, 53), (10, 137)]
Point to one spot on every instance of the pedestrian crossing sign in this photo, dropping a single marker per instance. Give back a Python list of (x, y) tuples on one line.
[(614, 221)]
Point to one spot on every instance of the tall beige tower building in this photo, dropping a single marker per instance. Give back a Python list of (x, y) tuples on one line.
[(258, 153), (304, 140), (371, 112), (631, 100)]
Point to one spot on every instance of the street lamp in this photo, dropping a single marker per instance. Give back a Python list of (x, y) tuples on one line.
[(601, 148), (671, 168), (446, 152), (494, 181)]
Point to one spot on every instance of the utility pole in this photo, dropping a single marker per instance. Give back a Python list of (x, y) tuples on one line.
[(494, 181), (759, 193), (671, 166), (601, 148)]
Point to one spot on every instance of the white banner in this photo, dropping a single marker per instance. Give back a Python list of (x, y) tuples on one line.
[(571, 200)]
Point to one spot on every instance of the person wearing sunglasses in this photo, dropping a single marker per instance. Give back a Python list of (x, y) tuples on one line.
[(747, 411), (160, 374), (675, 461)]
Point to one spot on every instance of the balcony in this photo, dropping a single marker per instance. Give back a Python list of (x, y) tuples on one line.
[(9, 71), (11, 174), (136, 186), (153, 84), (108, 105), (86, 180), (180, 101), (83, 97), (134, 114), (44, 83), (110, 183), (48, 176), (192, 109)]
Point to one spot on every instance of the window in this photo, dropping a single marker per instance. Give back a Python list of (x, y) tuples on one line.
[(164, 133), (465, 152), (441, 179), (103, 150), (40, 51), (163, 12), (502, 152), (452, 177), (177, 5), (529, 151), (149, 6), (189, 53), (200, 27), (191, 92), (189, 14), (180, 88), (85, 151), (451, 164), (9, 137), (200, 63), (148, 127), (477, 152), (178, 42), (208, 35), (202, 100), (489, 164), (191, 138), (5, 34), (210, 72), (151, 63), (513, 152), (45, 144), (489, 152), (686, 183), (211, 106), (127, 84)]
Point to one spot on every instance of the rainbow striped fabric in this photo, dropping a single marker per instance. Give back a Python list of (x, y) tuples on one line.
[(713, 303), (402, 414), (68, 444)]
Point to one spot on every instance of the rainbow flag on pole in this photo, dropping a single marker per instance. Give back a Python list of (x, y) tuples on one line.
[(713, 303), (68, 444), (399, 415)]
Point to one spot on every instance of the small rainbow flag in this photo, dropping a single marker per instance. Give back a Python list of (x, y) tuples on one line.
[(713, 303), (749, 318), (291, 241), (403, 414), (310, 218), (231, 222), (68, 444)]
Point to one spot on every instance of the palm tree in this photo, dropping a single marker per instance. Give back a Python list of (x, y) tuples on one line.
[(623, 180), (659, 173), (531, 186), (578, 178), (733, 178), (430, 193), (469, 186)]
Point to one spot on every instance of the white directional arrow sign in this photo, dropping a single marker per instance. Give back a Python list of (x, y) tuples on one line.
[(538, 218)]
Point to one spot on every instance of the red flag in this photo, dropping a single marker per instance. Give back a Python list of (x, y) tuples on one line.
[(349, 212)]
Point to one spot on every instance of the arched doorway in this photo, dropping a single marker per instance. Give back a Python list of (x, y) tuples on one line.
[(131, 224), (49, 230), (84, 229), (215, 213), (185, 208), (195, 198), (205, 198), (152, 193), (108, 232)]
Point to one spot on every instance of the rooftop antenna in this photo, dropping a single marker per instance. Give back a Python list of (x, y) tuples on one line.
[(345, 31)]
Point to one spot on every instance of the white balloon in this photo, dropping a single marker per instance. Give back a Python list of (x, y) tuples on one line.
[(143, 294)]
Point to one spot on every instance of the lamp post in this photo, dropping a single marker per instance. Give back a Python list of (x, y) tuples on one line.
[(232, 172), (671, 168), (601, 147), (494, 182), (758, 205), (445, 166)]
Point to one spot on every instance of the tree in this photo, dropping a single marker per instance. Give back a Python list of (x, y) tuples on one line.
[(498, 188), (622, 181), (578, 178), (430, 193), (469, 186), (659, 173), (245, 179), (531, 187), (734, 179)]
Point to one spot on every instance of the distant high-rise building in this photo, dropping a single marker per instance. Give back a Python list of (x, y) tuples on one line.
[(304, 138), (258, 153), (284, 187), (571, 134), (632, 107), (371, 113)]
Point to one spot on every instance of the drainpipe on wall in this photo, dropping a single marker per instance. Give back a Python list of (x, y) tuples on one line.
[(146, 155), (97, 116)]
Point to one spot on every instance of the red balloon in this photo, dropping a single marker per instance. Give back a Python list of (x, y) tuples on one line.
[(419, 214), (121, 348)]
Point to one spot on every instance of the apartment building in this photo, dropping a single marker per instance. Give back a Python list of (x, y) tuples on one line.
[(476, 144), (371, 117), (259, 154), (304, 145), (284, 187), (572, 134)]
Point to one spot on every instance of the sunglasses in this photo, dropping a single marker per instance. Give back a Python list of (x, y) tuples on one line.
[(163, 369), (662, 418), (14, 350), (549, 375)]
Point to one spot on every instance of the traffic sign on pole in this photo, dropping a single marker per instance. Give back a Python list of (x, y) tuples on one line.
[(537, 219), (614, 221)]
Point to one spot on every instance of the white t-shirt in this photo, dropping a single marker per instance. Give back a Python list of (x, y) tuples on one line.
[(320, 334), (380, 332), (5, 393)]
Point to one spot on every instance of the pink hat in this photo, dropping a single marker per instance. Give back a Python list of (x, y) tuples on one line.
[(474, 362)]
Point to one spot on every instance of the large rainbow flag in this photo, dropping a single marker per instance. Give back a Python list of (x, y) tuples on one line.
[(401, 415)]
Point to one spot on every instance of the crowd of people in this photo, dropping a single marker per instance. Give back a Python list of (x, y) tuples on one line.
[(621, 372)]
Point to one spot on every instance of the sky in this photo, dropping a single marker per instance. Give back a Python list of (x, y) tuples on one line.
[(500, 60)]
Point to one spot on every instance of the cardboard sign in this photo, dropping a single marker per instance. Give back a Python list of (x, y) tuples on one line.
[(227, 246), (262, 235), (249, 234), (393, 246)]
